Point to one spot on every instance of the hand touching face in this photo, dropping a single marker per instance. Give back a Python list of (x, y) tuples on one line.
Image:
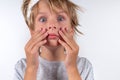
[(70, 46)]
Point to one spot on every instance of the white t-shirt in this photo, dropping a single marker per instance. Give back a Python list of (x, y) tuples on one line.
[(54, 70)]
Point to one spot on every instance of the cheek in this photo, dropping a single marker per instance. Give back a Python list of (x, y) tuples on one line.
[(38, 26), (66, 25)]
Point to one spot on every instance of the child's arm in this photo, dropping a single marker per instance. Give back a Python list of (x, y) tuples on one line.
[(30, 74), (73, 73), (72, 50), (32, 54)]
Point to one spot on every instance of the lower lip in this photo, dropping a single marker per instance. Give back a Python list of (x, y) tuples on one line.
[(52, 37)]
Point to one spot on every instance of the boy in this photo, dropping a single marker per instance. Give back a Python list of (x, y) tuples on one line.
[(51, 52)]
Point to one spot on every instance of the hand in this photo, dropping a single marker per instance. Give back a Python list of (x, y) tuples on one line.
[(70, 46), (32, 48)]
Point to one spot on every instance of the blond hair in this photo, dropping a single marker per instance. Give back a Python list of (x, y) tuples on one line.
[(69, 7)]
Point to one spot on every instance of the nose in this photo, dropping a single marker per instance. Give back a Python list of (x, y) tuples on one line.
[(53, 26)]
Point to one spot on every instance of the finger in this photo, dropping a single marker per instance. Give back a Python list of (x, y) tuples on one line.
[(35, 32), (67, 47), (38, 40), (65, 38), (37, 46), (69, 41), (39, 33), (68, 33), (35, 37)]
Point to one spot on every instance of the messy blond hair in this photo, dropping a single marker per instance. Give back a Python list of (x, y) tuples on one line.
[(69, 7)]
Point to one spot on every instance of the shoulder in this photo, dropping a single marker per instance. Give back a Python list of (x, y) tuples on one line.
[(20, 65), (85, 68), (19, 68), (83, 62)]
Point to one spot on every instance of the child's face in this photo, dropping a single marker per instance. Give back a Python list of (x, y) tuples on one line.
[(52, 22)]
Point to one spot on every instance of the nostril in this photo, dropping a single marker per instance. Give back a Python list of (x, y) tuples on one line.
[(52, 27), (49, 27), (55, 27)]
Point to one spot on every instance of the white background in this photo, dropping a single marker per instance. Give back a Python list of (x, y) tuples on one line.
[(100, 43)]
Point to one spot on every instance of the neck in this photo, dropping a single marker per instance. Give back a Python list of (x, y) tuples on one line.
[(52, 54)]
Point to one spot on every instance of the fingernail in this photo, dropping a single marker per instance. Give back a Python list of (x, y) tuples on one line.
[(45, 29), (66, 29), (60, 28)]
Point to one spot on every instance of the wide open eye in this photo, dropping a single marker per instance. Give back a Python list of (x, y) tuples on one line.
[(43, 19), (60, 18)]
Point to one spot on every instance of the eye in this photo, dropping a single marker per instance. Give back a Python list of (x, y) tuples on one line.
[(60, 18), (43, 19)]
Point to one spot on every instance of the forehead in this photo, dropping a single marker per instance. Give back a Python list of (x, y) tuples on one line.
[(45, 5)]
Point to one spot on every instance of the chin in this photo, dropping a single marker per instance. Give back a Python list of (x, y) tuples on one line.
[(52, 43)]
